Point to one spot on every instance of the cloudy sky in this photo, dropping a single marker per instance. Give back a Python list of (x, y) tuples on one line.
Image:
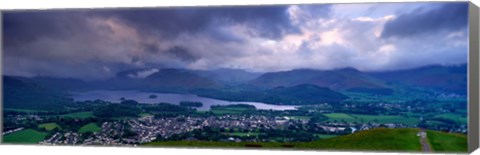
[(94, 44)]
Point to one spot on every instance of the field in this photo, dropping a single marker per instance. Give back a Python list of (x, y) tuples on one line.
[(90, 127), (446, 142), (324, 136), (27, 136), (376, 139), (371, 118), (453, 117), (231, 109), (340, 117), (49, 126), (80, 115), (144, 114)]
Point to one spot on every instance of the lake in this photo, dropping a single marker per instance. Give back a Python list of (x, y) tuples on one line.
[(144, 97)]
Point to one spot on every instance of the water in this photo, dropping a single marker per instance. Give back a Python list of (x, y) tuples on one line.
[(144, 97)]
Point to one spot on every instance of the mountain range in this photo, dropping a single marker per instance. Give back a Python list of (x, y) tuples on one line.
[(299, 86)]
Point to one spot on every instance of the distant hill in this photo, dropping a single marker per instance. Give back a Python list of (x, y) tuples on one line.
[(20, 94), (228, 76), (381, 139), (60, 84), (348, 79), (177, 79), (452, 79), (303, 94)]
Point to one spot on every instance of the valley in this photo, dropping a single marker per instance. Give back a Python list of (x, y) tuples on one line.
[(303, 108)]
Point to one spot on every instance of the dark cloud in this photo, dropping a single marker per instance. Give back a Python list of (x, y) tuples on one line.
[(182, 53), (271, 21), (92, 44), (450, 17), (23, 27)]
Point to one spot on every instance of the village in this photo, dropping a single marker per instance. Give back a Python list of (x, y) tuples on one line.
[(147, 129)]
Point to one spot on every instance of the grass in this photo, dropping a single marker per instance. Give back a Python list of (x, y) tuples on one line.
[(80, 115), (49, 126), (376, 139), (447, 142), (27, 136), (90, 127), (454, 117)]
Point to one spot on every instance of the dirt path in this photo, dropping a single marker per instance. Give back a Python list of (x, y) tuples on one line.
[(424, 141)]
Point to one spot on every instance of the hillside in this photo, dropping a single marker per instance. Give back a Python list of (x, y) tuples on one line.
[(21, 94), (228, 76), (348, 79), (176, 80), (452, 79), (303, 94), (381, 139)]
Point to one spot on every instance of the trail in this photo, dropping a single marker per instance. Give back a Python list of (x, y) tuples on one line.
[(424, 141)]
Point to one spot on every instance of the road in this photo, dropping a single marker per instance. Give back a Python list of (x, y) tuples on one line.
[(424, 141)]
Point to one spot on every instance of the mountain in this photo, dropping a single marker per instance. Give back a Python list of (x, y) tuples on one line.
[(228, 76), (451, 79), (303, 94), (23, 94), (177, 80), (348, 79), (60, 84)]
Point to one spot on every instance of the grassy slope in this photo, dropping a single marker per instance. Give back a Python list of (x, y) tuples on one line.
[(447, 142), (27, 136), (90, 127), (377, 139)]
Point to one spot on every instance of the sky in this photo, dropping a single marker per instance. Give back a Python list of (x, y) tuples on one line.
[(98, 43)]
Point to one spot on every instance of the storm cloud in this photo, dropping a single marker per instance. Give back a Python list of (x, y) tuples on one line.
[(447, 17), (96, 43)]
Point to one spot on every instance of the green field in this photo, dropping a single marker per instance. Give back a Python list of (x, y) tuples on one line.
[(229, 110), (80, 115), (340, 117), (27, 136), (447, 142), (372, 118), (454, 117), (144, 114), (90, 127), (49, 126)]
